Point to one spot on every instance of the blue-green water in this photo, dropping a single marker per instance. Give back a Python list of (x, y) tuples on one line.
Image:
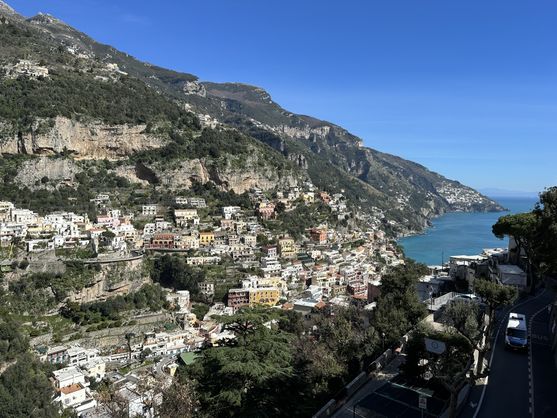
[(461, 233)]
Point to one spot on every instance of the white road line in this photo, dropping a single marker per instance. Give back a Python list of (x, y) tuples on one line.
[(530, 360), (478, 408)]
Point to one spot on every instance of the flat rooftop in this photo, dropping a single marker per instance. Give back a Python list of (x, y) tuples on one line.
[(66, 390), (67, 373)]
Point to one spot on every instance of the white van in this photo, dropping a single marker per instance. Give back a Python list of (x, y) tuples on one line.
[(516, 336)]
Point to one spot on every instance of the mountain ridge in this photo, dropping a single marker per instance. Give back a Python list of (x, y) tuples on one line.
[(333, 158), (5, 8)]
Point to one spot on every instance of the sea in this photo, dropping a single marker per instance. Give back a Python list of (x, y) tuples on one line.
[(462, 233)]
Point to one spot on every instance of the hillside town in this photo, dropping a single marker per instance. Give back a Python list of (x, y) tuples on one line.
[(172, 246), (322, 268)]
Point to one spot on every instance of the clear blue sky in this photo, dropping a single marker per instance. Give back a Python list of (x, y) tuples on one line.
[(466, 87)]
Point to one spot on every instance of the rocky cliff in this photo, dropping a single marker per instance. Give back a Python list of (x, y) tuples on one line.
[(113, 279), (82, 140)]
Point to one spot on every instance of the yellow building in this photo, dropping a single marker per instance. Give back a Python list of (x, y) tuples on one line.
[(37, 230), (206, 237), (264, 296), (287, 247), (309, 197), (275, 282)]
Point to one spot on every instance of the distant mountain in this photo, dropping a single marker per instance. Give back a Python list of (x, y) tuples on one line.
[(66, 95), (498, 193)]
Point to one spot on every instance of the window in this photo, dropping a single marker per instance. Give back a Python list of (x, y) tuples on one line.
[(517, 333)]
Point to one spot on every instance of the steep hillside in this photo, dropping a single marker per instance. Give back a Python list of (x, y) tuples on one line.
[(60, 103), (67, 96)]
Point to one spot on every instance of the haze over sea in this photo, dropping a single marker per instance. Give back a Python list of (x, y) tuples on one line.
[(462, 233)]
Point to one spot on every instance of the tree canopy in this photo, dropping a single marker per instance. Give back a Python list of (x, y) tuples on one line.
[(546, 212), (245, 376), (282, 365), (535, 233), (173, 271), (25, 390), (523, 227), (448, 368), (398, 307)]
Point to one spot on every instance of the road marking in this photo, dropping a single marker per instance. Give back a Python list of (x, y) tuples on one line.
[(530, 379), (530, 361), (493, 349)]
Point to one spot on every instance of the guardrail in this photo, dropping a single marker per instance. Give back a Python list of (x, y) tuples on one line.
[(112, 259)]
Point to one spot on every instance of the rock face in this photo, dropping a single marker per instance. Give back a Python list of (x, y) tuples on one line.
[(5, 9), (193, 87), (185, 174), (250, 176), (114, 279), (92, 140), (237, 175), (129, 172), (57, 169)]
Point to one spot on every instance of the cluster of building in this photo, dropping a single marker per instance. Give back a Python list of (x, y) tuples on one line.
[(65, 230), (328, 266), (316, 273), (493, 263), (72, 383)]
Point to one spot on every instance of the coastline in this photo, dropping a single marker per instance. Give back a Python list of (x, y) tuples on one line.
[(430, 221), (459, 232)]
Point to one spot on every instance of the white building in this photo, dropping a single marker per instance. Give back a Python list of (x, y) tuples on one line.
[(207, 289), (181, 299), (194, 202), (149, 210), (23, 216), (250, 240), (72, 390), (68, 376), (229, 211), (5, 210), (94, 369), (185, 216), (78, 355)]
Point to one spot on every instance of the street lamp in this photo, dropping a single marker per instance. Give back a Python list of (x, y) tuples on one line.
[(383, 340)]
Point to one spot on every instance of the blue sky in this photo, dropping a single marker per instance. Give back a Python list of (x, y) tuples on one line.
[(466, 87)]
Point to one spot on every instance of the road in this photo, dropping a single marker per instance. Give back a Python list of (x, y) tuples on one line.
[(512, 380), (544, 374), (160, 365)]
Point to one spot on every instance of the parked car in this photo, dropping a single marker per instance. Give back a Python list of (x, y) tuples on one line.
[(467, 297)]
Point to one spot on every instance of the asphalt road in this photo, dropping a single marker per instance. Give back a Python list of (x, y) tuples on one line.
[(162, 363), (509, 393), (543, 370)]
